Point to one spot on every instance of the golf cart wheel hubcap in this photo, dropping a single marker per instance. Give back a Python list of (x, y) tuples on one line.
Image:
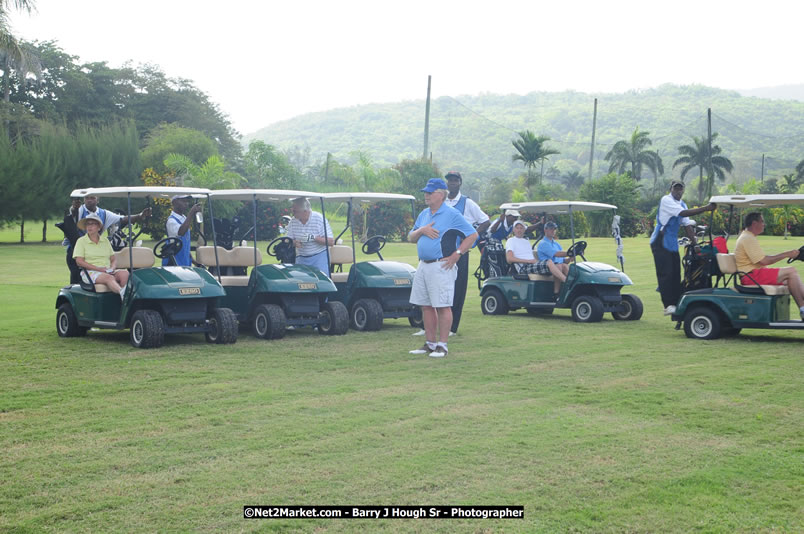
[(702, 326), (326, 321), (491, 304), (63, 323), (360, 317), (262, 324), (213, 329), (584, 310), (137, 332)]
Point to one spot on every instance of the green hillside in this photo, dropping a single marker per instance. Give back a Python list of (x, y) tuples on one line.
[(474, 133)]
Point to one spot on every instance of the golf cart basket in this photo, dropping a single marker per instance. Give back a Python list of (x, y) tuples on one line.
[(492, 260)]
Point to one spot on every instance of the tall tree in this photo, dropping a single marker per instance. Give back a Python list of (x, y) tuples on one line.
[(531, 150), (697, 156), (634, 153), (572, 180), (13, 54), (790, 183)]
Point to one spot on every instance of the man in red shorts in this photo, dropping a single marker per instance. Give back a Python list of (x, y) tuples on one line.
[(752, 260)]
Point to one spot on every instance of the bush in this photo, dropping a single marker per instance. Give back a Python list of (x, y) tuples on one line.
[(160, 207), (390, 219), (269, 218)]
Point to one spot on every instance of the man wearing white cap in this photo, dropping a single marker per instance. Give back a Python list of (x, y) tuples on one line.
[(178, 225)]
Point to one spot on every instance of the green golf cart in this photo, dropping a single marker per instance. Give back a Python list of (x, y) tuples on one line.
[(591, 289), (372, 290), (158, 300), (274, 296), (727, 308)]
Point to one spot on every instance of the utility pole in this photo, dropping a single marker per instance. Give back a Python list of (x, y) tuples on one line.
[(592, 151), (709, 146), (427, 121), (326, 169), (762, 173)]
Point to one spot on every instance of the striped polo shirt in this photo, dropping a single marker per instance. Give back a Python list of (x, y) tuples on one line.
[(315, 226)]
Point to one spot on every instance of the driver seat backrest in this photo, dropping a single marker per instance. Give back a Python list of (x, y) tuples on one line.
[(727, 263), (338, 256), (143, 257), (237, 257)]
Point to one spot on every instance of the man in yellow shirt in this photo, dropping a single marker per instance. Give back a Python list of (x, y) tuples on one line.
[(752, 260)]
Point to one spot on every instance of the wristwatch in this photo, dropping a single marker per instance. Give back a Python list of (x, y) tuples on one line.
[(458, 251)]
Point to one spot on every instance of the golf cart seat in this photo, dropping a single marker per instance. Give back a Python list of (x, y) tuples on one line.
[(728, 266), (143, 257), (338, 256), (237, 257)]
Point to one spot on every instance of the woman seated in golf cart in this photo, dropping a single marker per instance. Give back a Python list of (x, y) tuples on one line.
[(94, 253), (520, 253)]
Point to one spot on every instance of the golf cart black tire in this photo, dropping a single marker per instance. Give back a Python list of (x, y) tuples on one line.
[(494, 303), (147, 330), (703, 323), (269, 322), (633, 309), (731, 332), (416, 320), (366, 315), (223, 327), (539, 311), (587, 309), (334, 319), (67, 323)]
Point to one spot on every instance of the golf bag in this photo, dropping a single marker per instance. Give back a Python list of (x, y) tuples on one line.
[(699, 268), (492, 260)]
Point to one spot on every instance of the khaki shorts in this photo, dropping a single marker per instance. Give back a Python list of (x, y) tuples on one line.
[(433, 285)]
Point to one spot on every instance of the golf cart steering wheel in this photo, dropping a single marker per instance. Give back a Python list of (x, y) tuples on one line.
[(374, 244), (170, 246), (577, 249), (800, 256), (279, 247)]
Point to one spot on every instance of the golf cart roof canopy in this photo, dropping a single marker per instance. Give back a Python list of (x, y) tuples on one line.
[(140, 192), (265, 195), (557, 206), (757, 201), (367, 197)]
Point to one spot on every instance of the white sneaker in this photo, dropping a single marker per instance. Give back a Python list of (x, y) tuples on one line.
[(419, 333), (439, 352), (425, 349), (670, 310), (452, 334)]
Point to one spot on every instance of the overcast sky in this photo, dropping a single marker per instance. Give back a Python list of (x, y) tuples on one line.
[(266, 61)]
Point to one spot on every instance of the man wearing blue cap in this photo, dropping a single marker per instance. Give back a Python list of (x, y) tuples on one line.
[(436, 233)]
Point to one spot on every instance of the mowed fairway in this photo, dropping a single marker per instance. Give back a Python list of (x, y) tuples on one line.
[(608, 427)]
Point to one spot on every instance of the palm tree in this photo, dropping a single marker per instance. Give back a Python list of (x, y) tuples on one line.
[(800, 170), (634, 153), (573, 180), (531, 150), (697, 155), (13, 54), (790, 183)]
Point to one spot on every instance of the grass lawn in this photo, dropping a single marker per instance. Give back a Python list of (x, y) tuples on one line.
[(607, 427)]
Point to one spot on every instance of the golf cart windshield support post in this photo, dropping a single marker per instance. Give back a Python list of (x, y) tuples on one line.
[(572, 225), (354, 250), (130, 239), (348, 220), (326, 237), (214, 238), (728, 224), (254, 215)]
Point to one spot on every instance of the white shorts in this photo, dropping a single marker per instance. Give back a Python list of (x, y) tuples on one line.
[(93, 275), (433, 285)]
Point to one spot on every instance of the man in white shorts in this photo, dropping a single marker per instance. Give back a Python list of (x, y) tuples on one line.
[(435, 233)]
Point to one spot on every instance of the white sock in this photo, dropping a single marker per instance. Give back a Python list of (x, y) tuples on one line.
[(431, 345)]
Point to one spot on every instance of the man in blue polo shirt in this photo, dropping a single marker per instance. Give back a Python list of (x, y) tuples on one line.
[(552, 257), (436, 232)]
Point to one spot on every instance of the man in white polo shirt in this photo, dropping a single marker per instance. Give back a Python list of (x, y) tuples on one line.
[(311, 234)]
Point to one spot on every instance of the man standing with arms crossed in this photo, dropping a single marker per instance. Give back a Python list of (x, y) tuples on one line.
[(434, 283)]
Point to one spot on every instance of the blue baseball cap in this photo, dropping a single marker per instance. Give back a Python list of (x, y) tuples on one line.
[(434, 184)]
